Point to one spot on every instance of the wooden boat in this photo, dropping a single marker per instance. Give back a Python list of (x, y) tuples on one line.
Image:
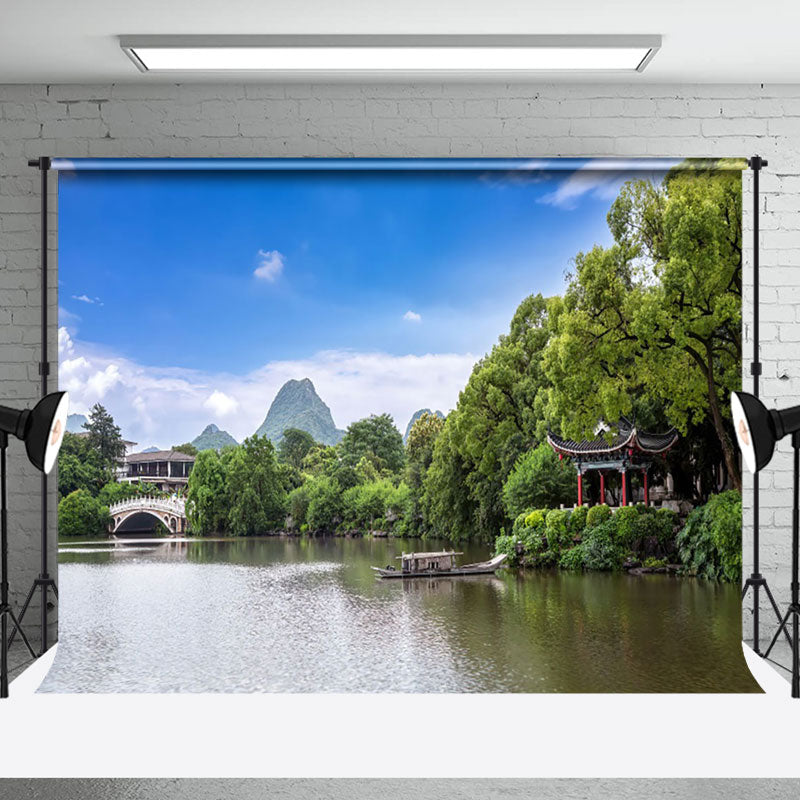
[(437, 565)]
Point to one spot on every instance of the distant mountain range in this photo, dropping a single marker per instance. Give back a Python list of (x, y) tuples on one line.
[(297, 405), (75, 423), (212, 438), (416, 415)]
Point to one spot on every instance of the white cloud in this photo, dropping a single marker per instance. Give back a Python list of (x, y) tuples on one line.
[(90, 300), (99, 384), (65, 346), (599, 183), (221, 404), (163, 406), (412, 316), (602, 179), (271, 265)]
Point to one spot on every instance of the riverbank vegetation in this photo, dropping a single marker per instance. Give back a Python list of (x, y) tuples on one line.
[(637, 537)]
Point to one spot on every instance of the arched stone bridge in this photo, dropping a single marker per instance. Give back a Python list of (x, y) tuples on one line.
[(137, 514)]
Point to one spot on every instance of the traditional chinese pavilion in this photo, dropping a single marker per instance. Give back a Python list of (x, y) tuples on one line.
[(628, 449)]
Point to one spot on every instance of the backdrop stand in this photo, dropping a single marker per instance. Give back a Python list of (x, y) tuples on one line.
[(757, 581), (44, 583)]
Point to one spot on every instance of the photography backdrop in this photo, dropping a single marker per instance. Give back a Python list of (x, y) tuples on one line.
[(174, 252)]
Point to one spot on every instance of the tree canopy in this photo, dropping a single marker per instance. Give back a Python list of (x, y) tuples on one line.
[(375, 438), (104, 435), (657, 314), (539, 480), (295, 446)]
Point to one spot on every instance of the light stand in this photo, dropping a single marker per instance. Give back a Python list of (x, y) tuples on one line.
[(757, 581), (42, 429), (6, 612), (44, 582), (757, 431), (794, 607)]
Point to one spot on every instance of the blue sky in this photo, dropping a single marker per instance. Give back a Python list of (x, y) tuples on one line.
[(178, 288)]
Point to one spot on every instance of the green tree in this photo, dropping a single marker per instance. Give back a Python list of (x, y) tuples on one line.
[(187, 447), (256, 488), (324, 505), (448, 510), (298, 503), (80, 514), (79, 466), (657, 314), (375, 438), (366, 504), (539, 480), (419, 446), (295, 446), (419, 455), (104, 435), (208, 500), (500, 414), (321, 459)]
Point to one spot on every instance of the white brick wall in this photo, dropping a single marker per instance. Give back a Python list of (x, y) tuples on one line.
[(402, 120)]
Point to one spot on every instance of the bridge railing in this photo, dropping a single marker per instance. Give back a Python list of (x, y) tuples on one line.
[(173, 505)]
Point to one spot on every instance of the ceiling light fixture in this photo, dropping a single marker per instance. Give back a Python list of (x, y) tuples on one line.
[(390, 53)]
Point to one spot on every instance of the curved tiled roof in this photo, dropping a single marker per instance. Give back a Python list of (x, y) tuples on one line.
[(628, 437)]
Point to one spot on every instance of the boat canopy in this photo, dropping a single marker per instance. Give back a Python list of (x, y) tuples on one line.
[(406, 556)]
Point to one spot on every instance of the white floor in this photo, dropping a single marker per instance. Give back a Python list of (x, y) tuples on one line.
[(368, 736)]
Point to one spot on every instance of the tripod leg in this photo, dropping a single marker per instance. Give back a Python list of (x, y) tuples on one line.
[(777, 612), (3, 656), (778, 633), (55, 589), (24, 638), (22, 613), (744, 590)]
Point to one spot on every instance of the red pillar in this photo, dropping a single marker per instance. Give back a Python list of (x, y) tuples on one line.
[(602, 487), (646, 489), (580, 488), (624, 487)]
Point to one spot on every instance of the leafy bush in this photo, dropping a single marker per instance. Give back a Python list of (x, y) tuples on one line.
[(80, 514), (666, 520), (572, 559), (600, 548), (710, 544), (628, 525), (539, 478), (365, 504), (577, 520), (597, 514), (298, 502), (559, 536), (529, 531), (507, 544), (324, 505)]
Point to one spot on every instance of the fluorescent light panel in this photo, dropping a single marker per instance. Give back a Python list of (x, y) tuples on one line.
[(391, 53)]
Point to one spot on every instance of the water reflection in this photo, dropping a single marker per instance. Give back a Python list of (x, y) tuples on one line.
[(308, 615)]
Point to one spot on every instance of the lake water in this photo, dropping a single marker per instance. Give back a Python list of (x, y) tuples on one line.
[(307, 615)]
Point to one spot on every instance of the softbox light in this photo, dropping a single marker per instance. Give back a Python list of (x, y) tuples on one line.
[(41, 428)]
